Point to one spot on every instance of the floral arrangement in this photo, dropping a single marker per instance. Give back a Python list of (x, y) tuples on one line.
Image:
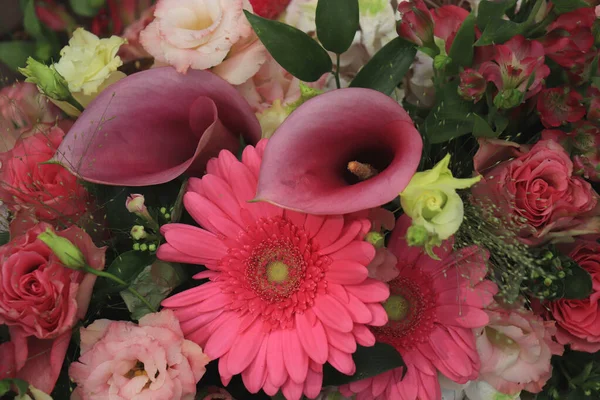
[(321, 199)]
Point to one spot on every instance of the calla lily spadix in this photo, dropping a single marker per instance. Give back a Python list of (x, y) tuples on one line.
[(155, 125), (340, 152)]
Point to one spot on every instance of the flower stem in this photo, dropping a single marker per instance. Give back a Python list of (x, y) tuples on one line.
[(337, 71), (108, 275)]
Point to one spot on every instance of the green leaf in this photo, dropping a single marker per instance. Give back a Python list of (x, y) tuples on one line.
[(15, 53), (4, 238), (293, 49), (596, 82), (22, 386), (126, 267), (578, 283), (370, 361), (498, 30), (337, 23), (565, 6), (87, 8), (4, 386), (31, 23), (461, 51), (451, 117), (489, 10), (154, 283), (387, 67), (481, 128)]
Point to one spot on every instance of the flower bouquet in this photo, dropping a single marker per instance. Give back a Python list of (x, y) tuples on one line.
[(332, 199)]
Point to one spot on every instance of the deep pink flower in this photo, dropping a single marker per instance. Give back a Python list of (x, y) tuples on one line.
[(558, 106), (269, 8), (50, 192), (517, 70), (578, 321), (148, 361), (152, 126), (416, 22), (447, 20), (53, 15), (432, 309), (515, 349), (472, 85), (534, 189), (287, 292), (40, 301), (306, 162)]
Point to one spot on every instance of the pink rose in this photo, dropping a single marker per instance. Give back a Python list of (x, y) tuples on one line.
[(22, 107), (201, 34), (535, 190), (515, 350), (48, 191), (578, 321), (151, 360), (40, 301)]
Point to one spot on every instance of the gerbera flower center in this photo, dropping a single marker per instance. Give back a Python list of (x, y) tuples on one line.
[(277, 271)]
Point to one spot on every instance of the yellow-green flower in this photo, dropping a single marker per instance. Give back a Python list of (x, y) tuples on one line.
[(431, 201), (47, 79), (68, 254)]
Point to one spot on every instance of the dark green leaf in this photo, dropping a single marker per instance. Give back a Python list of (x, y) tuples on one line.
[(596, 82), (293, 49), (387, 67), (15, 53), (87, 8), (481, 128), (370, 361), (337, 23), (565, 6), (4, 238), (498, 30), (578, 283), (489, 10), (451, 117), (461, 51), (4, 386), (22, 386), (126, 267), (31, 23)]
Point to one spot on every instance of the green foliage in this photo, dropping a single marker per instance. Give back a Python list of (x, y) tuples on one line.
[(461, 52), (450, 117), (4, 238), (47, 44), (370, 361), (565, 6), (293, 49), (498, 30), (337, 23), (87, 8), (387, 68), (6, 385), (575, 376), (126, 266), (15, 53), (578, 283)]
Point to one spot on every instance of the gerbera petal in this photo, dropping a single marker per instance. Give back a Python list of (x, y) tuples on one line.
[(220, 193), (255, 375), (332, 313), (380, 317), (245, 348), (251, 159), (313, 338), (380, 382), (359, 312), (294, 356), (363, 335), (313, 384), (292, 390), (270, 389), (341, 361), (275, 364), (450, 360), (196, 242), (462, 315), (330, 230), (339, 292), (192, 296), (349, 233), (223, 372), (370, 291), (221, 341), (296, 217), (166, 252), (201, 209), (312, 224), (346, 272), (343, 341), (360, 251)]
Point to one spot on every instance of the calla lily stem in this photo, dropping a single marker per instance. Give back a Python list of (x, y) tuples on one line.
[(337, 72)]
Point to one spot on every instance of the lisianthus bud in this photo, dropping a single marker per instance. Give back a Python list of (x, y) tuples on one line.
[(416, 23), (67, 252), (508, 98), (441, 60), (376, 239), (135, 204), (47, 79), (472, 85), (431, 201), (138, 232), (416, 235)]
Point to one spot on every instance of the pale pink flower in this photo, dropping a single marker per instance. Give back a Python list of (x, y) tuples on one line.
[(515, 350), (287, 292), (149, 361), (201, 34), (432, 309)]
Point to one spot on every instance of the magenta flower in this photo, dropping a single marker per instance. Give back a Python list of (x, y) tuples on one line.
[(307, 162), (155, 125)]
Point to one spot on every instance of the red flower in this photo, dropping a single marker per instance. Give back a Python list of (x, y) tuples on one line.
[(270, 9), (53, 15), (517, 71), (416, 22), (557, 106), (570, 37), (472, 85), (447, 20)]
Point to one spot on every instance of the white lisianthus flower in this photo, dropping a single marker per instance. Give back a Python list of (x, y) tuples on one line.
[(481, 390)]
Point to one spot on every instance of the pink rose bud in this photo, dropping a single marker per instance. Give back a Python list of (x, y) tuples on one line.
[(472, 85), (416, 23)]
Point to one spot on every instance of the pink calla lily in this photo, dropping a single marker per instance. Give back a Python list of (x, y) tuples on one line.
[(305, 164), (155, 125)]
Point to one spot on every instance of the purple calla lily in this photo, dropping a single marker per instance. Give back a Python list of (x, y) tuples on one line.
[(155, 125), (341, 152)]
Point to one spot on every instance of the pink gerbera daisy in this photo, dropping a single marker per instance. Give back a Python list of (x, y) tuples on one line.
[(287, 292), (432, 308)]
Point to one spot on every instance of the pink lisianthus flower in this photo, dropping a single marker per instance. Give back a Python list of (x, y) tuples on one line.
[(40, 301), (533, 188), (22, 108), (186, 34), (514, 64), (432, 310), (151, 360), (48, 192), (515, 350), (287, 291)]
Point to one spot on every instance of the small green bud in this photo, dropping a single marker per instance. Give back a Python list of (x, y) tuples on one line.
[(167, 216), (138, 232), (548, 282), (136, 246), (376, 239), (50, 82), (306, 93), (508, 98), (68, 254), (440, 61), (143, 247), (417, 235), (561, 274), (152, 247), (163, 210)]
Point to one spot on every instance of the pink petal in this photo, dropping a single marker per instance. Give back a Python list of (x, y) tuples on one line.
[(294, 356), (380, 317), (341, 361), (194, 241), (192, 296), (292, 390), (201, 209), (462, 315), (44, 361), (359, 312), (275, 364), (313, 384), (222, 339), (363, 335), (343, 341), (346, 272), (330, 230), (140, 133), (362, 252), (245, 348), (313, 338), (255, 375), (303, 165), (370, 291), (332, 313)]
